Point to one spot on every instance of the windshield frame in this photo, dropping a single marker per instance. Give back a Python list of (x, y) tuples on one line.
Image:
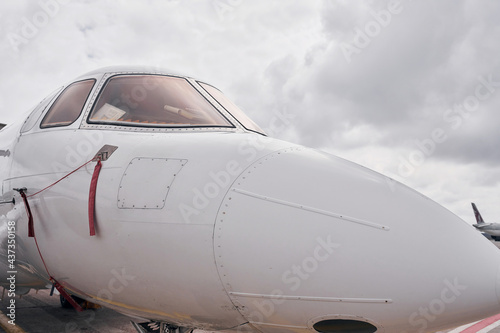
[(120, 125), (239, 115)]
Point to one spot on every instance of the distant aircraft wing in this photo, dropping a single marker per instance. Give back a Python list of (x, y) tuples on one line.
[(481, 226), (2, 125)]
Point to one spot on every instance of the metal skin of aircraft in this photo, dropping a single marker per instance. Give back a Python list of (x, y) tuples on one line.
[(150, 193), (492, 229)]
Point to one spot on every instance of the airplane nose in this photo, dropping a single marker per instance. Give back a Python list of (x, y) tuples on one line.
[(497, 286), (306, 240)]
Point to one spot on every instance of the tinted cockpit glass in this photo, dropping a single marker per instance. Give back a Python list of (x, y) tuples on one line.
[(154, 101), (69, 105), (232, 108)]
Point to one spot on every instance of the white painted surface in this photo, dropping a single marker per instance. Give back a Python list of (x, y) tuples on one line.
[(246, 220)]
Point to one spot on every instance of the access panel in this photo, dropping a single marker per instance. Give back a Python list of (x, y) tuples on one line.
[(147, 181)]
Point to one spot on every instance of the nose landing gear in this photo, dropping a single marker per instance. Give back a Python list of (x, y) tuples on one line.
[(158, 327)]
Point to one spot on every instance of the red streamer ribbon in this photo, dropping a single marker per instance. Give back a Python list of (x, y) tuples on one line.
[(65, 294), (31, 228), (92, 195)]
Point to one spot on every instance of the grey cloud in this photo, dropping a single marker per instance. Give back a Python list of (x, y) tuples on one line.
[(419, 65)]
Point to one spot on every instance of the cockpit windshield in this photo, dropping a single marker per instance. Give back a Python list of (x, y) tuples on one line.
[(154, 101), (232, 108)]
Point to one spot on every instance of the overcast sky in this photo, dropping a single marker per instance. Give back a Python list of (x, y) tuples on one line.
[(408, 88)]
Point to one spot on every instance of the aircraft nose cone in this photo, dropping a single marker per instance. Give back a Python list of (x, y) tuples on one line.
[(498, 284), (303, 237)]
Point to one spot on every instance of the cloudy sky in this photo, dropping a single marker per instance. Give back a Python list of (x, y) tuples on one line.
[(408, 88)]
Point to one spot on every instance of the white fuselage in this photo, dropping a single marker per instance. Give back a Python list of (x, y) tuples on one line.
[(220, 229)]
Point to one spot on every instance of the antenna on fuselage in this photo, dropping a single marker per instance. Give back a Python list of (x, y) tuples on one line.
[(13, 201)]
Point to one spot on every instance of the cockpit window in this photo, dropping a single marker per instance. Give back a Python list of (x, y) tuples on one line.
[(232, 108), (69, 105), (32, 119), (154, 101)]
